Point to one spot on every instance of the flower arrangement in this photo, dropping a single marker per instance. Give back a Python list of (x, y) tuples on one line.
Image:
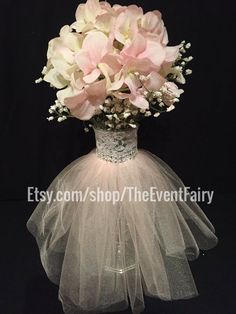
[(113, 66)]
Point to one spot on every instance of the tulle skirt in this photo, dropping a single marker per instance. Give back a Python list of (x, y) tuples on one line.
[(107, 255)]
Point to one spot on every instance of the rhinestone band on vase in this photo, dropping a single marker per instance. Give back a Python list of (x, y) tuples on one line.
[(116, 146)]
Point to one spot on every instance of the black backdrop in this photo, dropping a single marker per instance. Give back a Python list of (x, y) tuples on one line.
[(196, 140)]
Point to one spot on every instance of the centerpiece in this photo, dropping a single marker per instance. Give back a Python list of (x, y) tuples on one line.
[(112, 68)]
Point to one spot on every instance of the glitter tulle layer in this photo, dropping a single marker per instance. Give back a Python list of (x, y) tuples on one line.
[(105, 256)]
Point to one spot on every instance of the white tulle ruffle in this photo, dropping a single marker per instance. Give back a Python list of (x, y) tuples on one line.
[(106, 256)]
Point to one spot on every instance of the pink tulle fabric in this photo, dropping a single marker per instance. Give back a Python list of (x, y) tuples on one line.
[(105, 256)]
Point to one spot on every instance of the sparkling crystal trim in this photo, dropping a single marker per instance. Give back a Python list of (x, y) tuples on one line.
[(116, 146)]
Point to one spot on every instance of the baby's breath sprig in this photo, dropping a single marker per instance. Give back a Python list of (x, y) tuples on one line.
[(116, 114), (161, 100), (180, 67), (59, 112), (43, 72)]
